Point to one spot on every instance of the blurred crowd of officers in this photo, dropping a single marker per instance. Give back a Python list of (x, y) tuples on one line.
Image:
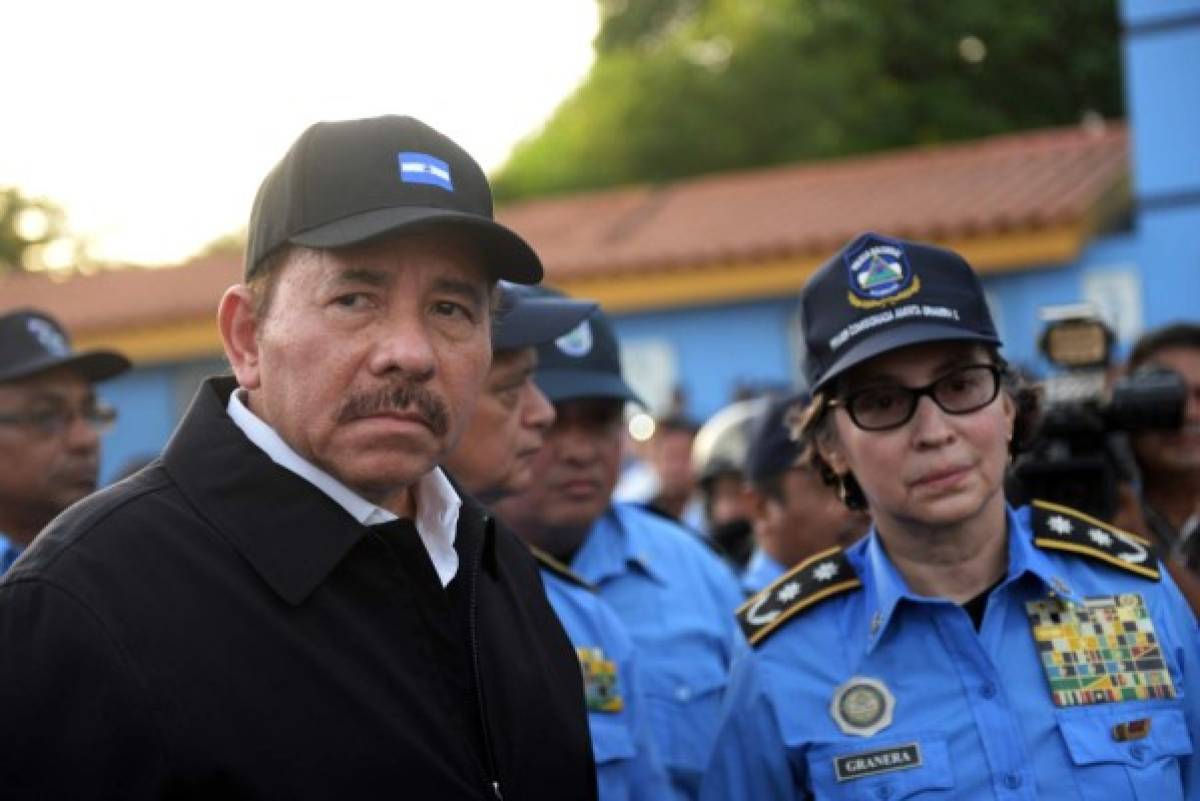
[(408, 549)]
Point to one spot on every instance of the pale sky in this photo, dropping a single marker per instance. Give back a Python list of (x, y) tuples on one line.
[(153, 122)]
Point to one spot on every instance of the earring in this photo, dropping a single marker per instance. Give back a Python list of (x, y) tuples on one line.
[(842, 492)]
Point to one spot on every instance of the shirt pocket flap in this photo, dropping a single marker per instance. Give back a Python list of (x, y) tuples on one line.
[(611, 738), (683, 683), (1122, 735), (685, 703), (892, 768)]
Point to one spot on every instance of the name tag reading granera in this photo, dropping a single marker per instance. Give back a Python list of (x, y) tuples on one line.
[(871, 763)]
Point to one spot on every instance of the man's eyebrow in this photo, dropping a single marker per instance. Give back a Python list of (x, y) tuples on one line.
[(362, 275), (467, 290)]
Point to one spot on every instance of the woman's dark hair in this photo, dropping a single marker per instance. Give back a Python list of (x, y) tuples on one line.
[(812, 425)]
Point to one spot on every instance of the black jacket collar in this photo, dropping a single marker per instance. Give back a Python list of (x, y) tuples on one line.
[(288, 530)]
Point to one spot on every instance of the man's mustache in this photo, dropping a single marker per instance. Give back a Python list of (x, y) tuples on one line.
[(406, 397)]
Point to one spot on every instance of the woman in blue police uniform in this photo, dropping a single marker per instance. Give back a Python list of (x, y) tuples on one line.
[(964, 649)]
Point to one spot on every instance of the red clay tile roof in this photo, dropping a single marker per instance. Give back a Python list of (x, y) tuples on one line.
[(991, 186), (1013, 183)]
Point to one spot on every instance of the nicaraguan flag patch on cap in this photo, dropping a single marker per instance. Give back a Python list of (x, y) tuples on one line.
[(422, 168)]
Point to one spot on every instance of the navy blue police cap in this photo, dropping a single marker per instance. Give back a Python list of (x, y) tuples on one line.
[(585, 362), (772, 450), (878, 294), (33, 342), (527, 316)]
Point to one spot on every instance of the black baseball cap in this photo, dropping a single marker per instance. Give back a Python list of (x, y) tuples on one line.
[(33, 342), (528, 317), (348, 182), (772, 450), (585, 362), (877, 294)]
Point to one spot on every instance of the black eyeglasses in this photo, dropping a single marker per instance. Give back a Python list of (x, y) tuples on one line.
[(52, 421), (961, 391)]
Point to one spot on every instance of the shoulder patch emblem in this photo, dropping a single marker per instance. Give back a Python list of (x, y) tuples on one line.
[(548, 562), (822, 576), (1061, 528)]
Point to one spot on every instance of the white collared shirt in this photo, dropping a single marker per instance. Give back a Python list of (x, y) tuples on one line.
[(437, 503)]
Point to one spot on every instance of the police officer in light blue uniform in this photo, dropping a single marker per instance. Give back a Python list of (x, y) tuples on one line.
[(964, 649), (793, 513), (494, 460), (628, 767), (672, 593)]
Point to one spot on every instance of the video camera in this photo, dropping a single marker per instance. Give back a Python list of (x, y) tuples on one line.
[(1080, 452)]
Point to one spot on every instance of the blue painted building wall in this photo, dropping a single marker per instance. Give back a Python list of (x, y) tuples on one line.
[(149, 400), (1161, 48)]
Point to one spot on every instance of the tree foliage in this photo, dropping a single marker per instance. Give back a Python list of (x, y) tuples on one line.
[(28, 226), (681, 87)]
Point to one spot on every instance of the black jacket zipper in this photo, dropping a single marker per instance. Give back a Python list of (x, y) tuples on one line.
[(474, 627)]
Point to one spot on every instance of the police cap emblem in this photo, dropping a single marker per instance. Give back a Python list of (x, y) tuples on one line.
[(577, 342), (879, 272)]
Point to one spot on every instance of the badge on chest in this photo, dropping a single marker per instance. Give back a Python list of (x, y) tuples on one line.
[(1104, 650), (600, 681), (862, 706)]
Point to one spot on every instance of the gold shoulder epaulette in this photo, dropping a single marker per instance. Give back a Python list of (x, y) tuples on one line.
[(1061, 528), (822, 576), (556, 567)]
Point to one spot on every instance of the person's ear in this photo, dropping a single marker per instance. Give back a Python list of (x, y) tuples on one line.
[(834, 455), (754, 502), (1009, 406), (238, 324)]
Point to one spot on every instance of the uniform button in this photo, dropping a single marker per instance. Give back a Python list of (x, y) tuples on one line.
[(884, 791), (1138, 752), (988, 690), (683, 693), (1012, 781)]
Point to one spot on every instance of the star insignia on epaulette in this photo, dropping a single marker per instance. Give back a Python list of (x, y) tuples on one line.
[(825, 571), (803, 586), (1054, 527), (1060, 525)]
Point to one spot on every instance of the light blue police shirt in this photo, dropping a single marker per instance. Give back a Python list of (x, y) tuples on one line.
[(971, 712), (627, 763), (8, 554), (760, 571), (676, 599)]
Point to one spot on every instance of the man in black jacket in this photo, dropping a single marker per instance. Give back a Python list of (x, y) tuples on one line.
[(294, 602)]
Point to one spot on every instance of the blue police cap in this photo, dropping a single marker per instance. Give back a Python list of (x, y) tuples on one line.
[(585, 362), (527, 316), (878, 294), (33, 342), (772, 450)]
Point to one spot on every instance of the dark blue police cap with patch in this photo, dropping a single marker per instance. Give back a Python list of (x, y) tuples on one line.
[(878, 294), (528, 316), (585, 362)]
